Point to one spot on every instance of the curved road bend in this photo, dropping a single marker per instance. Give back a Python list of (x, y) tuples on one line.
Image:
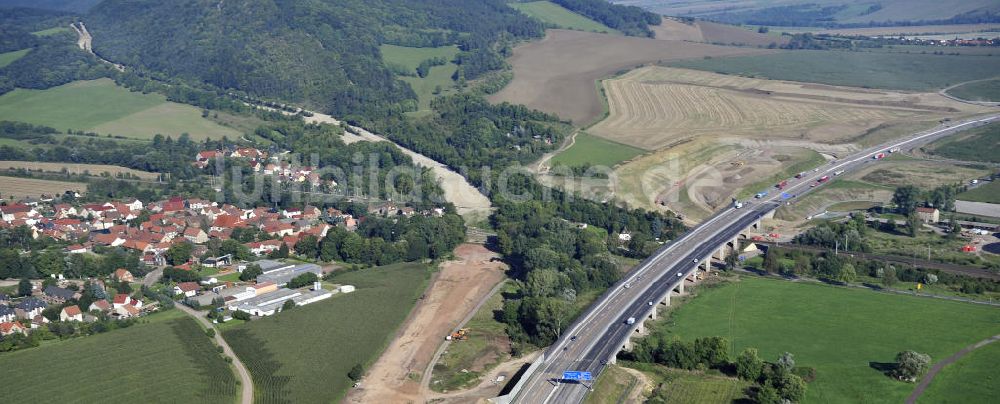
[(601, 330), (246, 397)]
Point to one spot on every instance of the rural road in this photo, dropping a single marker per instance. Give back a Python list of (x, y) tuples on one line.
[(926, 381), (944, 93), (246, 396), (152, 277)]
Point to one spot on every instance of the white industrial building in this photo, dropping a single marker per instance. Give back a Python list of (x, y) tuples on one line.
[(270, 303), (282, 275)]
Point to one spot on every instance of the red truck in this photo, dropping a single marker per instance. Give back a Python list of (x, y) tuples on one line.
[(878, 156), (824, 178), (782, 184)]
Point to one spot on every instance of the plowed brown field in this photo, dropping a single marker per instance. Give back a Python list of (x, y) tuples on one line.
[(558, 73)]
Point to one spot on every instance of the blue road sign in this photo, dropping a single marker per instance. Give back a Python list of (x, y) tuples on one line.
[(575, 375)]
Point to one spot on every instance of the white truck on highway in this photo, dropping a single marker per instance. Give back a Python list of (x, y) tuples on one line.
[(630, 321)]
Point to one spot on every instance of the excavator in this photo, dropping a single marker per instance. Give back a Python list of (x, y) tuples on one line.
[(460, 335)]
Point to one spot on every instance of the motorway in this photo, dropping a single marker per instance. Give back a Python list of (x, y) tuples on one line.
[(599, 333)]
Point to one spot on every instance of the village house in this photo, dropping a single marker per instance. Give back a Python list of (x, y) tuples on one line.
[(100, 305), (7, 314), (71, 313), (121, 299), (188, 289), (929, 215), (13, 327), (29, 308), (123, 275), (195, 235), (57, 295)]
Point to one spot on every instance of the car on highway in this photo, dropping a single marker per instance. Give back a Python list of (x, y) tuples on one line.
[(695, 260), (679, 274)]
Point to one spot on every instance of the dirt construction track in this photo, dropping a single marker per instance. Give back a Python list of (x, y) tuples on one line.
[(456, 290), (565, 65)]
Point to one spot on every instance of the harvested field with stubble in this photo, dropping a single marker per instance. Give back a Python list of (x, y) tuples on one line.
[(656, 106), (566, 64), (72, 168), (16, 188)]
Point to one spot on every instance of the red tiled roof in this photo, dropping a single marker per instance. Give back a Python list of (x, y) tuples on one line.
[(73, 310)]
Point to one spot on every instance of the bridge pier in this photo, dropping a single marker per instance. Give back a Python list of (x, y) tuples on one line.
[(666, 299), (680, 288)]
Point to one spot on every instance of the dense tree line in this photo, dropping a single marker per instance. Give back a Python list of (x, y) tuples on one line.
[(55, 61), (845, 268), (776, 382), (555, 261), (630, 20), (163, 155), (468, 133), (365, 170), (383, 241), (323, 54), (908, 198), (847, 236)]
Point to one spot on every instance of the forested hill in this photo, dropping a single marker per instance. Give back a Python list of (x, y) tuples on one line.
[(320, 53)]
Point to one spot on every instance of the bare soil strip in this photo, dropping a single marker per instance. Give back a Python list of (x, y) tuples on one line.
[(455, 292)]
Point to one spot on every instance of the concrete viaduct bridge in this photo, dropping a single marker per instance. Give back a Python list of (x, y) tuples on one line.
[(602, 331)]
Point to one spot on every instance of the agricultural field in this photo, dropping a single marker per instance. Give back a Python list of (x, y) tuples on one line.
[(894, 71), (754, 312), (168, 357), (715, 137), (438, 78), (103, 107), (566, 64), (989, 193), (655, 106), (589, 149), (7, 58), (17, 188), (988, 90), (559, 17), (972, 379), (304, 355), (71, 168), (854, 11), (711, 32)]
